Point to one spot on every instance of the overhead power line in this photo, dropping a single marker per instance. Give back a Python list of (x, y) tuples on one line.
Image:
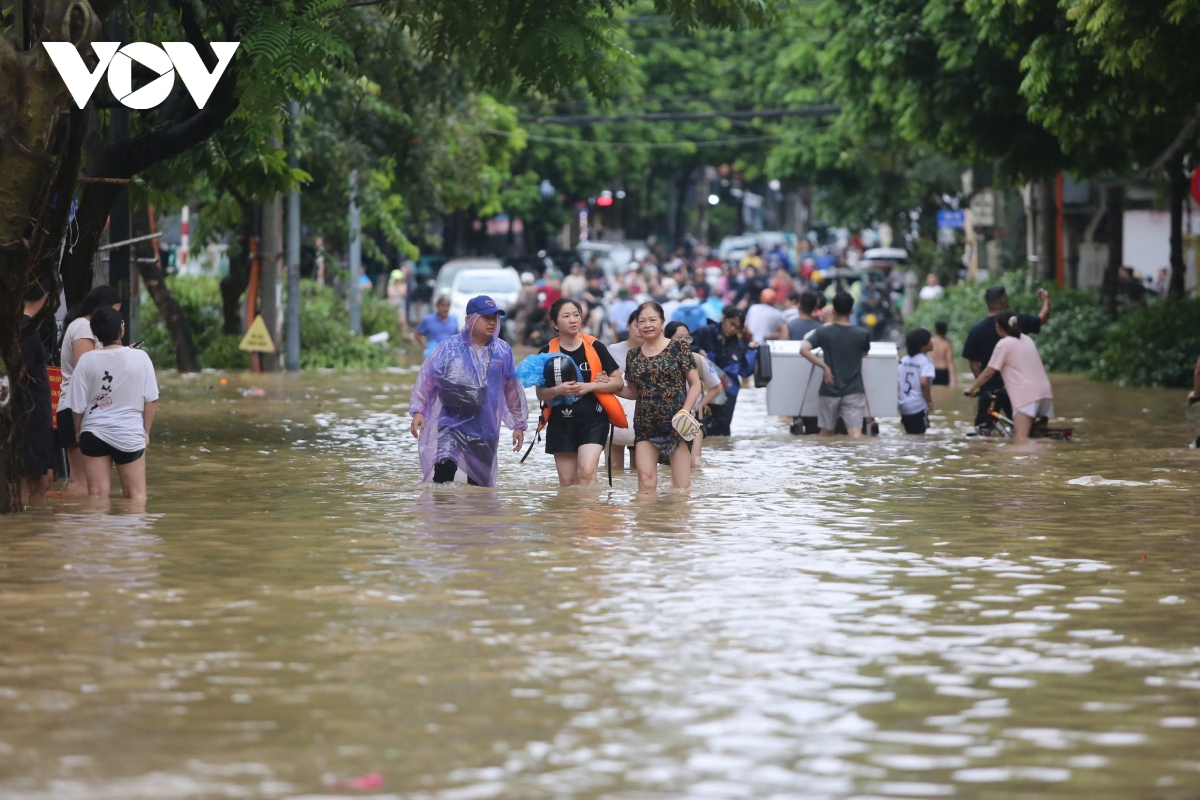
[(686, 116), (632, 145)]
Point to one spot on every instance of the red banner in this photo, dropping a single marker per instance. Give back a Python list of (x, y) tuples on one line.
[(1196, 185), (55, 390)]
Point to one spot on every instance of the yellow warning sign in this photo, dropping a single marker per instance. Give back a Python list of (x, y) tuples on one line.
[(257, 339)]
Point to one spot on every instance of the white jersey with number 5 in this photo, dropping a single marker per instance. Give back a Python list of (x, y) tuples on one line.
[(912, 369)]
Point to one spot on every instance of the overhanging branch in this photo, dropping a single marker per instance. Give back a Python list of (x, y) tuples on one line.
[(1187, 132)]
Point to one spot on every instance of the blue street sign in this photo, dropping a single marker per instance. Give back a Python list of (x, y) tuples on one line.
[(951, 219)]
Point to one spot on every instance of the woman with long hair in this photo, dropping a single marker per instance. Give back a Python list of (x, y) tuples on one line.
[(576, 433), (78, 339), (1017, 360), (710, 384), (662, 377)]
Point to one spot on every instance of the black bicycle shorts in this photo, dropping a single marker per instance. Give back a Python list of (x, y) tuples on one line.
[(93, 446), (567, 436)]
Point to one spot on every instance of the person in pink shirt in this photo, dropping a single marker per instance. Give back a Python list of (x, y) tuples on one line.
[(1016, 359)]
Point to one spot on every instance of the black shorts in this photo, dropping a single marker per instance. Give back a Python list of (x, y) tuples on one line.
[(64, 437), (915, 423), (567, 435), (93, 446), (941, 377), (38, 456)]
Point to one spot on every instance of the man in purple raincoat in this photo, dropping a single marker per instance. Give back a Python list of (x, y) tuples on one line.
[(465, 389)]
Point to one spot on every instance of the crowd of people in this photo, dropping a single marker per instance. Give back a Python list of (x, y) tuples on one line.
[(669, 383), (657, 361)]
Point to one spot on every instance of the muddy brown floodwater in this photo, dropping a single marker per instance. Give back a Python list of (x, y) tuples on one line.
[(898, 617)]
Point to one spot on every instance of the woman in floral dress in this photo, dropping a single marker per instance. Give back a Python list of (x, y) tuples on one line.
[(662, 377)]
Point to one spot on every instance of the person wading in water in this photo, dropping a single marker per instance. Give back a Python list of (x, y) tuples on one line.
[(662, 377), (576, 433), (465, 389)]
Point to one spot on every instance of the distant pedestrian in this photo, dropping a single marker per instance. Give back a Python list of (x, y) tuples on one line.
[(436, 327), (113, 397), (932, 290), (764, 321), (724, 346), (916, 377), (620, 312), (1016, 358), (466, 388), (804, 323), (397, 293), (791, 307), (365, 284), (36, 419), (662, 378), (844, 345), (78, 339), (945, 373)]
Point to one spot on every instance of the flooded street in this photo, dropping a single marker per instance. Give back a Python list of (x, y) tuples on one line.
[(897, 617)]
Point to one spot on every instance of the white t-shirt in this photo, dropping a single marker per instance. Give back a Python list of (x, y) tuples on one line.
[(931, 292), (79, 329), (912, 370), (618, 351), (112, 387), (763, 321)]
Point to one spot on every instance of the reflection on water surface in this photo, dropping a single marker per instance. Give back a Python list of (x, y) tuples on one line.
[(887, 618)]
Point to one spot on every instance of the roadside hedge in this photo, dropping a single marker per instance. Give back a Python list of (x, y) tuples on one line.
[(325, 339), (1153, 345)]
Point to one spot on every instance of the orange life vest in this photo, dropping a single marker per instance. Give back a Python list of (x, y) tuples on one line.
[(607, 400)]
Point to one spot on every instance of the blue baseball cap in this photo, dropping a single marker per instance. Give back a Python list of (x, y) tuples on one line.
[(483, 305)]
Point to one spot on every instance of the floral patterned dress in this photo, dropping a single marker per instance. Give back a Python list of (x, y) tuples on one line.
[(662, 391)]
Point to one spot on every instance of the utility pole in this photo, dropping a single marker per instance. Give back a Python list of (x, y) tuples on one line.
[(272, 288), (120, 225), (292, 349), (352, 291)]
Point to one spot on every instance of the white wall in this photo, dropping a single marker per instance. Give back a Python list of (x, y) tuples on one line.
[(1147, 241)]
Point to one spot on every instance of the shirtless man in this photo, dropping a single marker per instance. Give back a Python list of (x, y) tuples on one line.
[(943, 357)]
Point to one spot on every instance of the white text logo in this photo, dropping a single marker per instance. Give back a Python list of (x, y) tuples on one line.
[(172, 57)]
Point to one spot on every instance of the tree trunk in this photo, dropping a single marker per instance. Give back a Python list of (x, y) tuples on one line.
[(169, 310), (1116, 245), (40, 136), (171, 313), (1047, 231), (1179, 193)]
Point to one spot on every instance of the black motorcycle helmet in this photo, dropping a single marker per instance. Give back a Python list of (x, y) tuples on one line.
[(559, 369)]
